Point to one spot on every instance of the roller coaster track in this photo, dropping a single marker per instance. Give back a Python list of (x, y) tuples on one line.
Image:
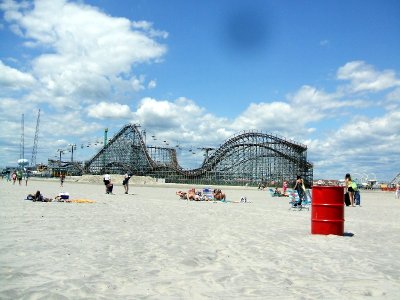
[(240, 141), (247, 152), (128, 128)]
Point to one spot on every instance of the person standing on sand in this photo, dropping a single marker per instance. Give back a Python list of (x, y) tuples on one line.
[(26, 176), (397, 191), (351, 187), (299, 187), (19, 176), (62, 178), (14, 177), (125, 183)]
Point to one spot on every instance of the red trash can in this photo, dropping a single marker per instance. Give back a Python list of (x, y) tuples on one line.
[(327, 210)]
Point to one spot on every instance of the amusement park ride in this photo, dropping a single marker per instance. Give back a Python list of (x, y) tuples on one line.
[(245, 158)]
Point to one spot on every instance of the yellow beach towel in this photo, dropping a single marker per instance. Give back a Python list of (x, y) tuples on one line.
[(81, 201)]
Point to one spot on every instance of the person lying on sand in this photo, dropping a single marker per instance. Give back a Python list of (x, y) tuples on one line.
[(192, 195), (219, 195), (181, 194), (38, 197)]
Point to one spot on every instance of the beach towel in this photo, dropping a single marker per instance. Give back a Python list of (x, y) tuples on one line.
[(81, 201)]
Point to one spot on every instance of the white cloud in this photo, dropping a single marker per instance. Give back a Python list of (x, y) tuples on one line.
[(152, 84), (361, 144), (182, 120), (11, 107), (275, 116), (364, 77), (85, 48), (104, 110), (393, 99), (14, 79), (137, 83), (148, 27)]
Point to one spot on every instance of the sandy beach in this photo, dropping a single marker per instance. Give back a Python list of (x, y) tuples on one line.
[(151, 245)]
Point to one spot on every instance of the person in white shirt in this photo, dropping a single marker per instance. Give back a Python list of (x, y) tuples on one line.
[(107, 180)]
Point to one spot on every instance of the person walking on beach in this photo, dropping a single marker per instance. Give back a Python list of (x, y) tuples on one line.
[(14, 177), (26, 176), (351, 187), (62, 178), (398, 191), (125, 182), (19, 176)]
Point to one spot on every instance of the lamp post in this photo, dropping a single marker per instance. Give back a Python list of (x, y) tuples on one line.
[(105, 151), (61, 152), (73, 147)]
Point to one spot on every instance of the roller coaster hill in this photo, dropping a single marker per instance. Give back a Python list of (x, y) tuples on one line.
[(247, 158)]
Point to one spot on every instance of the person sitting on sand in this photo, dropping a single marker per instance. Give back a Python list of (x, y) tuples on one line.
[(277, 192), (181, 194), (219, 195), (284, 188), (192, 195), (109, 188)]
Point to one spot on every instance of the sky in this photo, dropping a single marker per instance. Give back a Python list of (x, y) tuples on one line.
[(194, 73)]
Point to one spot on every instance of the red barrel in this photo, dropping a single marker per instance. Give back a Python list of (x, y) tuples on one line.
[(327, 210)]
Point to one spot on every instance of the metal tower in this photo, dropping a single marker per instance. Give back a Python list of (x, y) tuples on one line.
[(22, 145), (35, 141)]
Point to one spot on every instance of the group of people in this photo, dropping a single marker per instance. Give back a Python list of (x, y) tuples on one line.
[(38, 197), (18, 175), (194, 195), (110, 186)]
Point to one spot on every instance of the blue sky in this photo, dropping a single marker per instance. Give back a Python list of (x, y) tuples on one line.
[(193, 73)]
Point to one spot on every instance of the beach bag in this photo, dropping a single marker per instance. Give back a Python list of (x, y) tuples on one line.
[(357, 197), (347, 199)]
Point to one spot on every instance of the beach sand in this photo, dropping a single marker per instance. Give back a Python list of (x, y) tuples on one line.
[(151, 245)]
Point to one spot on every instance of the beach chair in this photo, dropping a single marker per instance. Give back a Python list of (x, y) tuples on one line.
[(273, 193), (207, 194), (306, 203), (295, 201)]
